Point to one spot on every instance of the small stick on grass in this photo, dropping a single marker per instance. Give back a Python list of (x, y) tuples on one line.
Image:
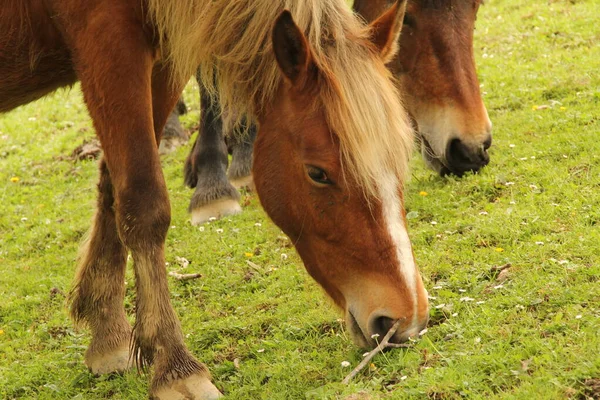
[(184, 277), (500, 268), (380, 346)]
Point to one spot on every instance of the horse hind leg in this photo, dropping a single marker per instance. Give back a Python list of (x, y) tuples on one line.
[(206, 168), (240, 170), (97, 297), (173, 134)]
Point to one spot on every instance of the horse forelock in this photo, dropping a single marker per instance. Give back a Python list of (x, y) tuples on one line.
[(364, 111), (231, 39)]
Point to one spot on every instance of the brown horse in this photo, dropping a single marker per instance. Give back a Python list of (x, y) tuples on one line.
[(436, 70), (330, 156)]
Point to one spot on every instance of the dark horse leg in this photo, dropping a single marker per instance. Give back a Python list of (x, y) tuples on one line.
[(240, 170), (174, 134), (133, 213), (206, 167)]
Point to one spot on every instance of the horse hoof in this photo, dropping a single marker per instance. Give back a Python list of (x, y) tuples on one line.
[(243, 182), (217, 209), (117, 360), (195, 387)]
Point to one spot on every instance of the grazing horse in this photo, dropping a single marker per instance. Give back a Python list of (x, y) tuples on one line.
[(330, 156), (435, 67)]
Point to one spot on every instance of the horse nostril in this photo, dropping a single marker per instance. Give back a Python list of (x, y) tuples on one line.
[(488, 143), (458, 152), (380, 326), (462, 158)]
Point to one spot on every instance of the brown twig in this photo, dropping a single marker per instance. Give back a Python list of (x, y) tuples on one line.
[(500, 268), (380, 346), (184, 277), (398, 345)]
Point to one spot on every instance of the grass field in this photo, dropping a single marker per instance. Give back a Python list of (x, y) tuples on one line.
[(531, 332)]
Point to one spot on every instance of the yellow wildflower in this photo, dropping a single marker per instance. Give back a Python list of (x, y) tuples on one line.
[(423, 193), (14, 179), (248, 254), (499, 249)]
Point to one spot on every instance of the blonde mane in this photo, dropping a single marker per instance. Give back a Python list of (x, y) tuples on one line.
[(232, 39)]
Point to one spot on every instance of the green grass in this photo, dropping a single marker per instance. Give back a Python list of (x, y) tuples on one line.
[(533, 335)]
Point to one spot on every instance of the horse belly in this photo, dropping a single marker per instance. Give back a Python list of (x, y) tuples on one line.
[(34, 60)]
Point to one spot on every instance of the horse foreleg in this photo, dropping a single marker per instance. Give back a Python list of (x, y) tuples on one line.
[(176, 371), (129, 132), (206, 168)]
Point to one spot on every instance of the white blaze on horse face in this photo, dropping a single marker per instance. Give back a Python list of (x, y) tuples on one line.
[(392, 215)]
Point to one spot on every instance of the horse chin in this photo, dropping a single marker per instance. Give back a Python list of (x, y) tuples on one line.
[(433, 162)]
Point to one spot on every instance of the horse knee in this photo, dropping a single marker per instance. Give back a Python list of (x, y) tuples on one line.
[(143, 216)]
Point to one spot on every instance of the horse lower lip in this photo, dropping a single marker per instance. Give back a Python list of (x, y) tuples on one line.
[(429, 154), (357, 328)]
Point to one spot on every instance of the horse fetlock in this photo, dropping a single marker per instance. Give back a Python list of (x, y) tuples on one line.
[(213, 191), (241, 165), (143, 350)]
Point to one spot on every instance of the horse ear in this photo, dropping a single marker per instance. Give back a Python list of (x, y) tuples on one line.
[(291, 49), (386, 30)]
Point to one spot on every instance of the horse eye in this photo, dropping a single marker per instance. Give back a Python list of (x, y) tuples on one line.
[(318, 175)]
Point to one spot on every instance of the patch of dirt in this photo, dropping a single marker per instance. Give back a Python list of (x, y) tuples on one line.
[(58, 331), (89, 150), (590, 390)]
